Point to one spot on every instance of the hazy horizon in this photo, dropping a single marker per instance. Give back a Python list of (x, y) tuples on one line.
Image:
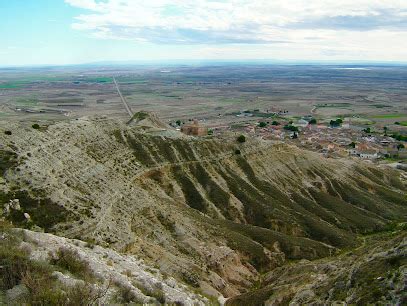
[(205, 62)]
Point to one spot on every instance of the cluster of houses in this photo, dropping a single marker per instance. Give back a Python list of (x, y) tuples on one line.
[(350, 141), (345, 140), (340, 141)]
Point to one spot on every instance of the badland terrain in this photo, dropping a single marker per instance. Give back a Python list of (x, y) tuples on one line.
[(101, 208)]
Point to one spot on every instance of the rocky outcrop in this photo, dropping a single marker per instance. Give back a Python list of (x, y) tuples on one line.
[(143, 283)]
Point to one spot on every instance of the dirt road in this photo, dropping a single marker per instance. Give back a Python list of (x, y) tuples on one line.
[(127, 107)]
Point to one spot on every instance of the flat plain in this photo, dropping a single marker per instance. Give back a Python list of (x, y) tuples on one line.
[(375, 94)]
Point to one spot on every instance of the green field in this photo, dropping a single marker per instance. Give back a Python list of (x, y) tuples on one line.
[(12, 85), (403, 123), (96, 79), (389, 116), (21, 82)]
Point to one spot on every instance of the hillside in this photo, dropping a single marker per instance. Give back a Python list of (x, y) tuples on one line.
[(375, 272), (193, 208)]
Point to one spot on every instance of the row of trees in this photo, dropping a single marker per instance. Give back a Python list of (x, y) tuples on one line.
[(275, 123)]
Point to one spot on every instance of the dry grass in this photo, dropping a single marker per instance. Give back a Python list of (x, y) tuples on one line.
[(69, 260)]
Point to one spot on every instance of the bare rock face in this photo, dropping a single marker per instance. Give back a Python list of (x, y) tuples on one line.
[(191, 206), (11, 205)]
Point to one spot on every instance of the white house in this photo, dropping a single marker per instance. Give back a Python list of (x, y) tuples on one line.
[(368, 154)]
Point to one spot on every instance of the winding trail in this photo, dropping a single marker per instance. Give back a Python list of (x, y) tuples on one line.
[(127, 107)]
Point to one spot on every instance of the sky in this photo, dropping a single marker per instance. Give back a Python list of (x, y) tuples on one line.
[(61, 32)]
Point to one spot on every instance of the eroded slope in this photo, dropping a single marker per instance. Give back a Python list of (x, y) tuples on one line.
[(208, 216)]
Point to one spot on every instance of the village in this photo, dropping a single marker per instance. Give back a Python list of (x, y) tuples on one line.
[(332, 137)]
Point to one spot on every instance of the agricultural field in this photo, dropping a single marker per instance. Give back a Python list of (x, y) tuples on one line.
[(214, 93)]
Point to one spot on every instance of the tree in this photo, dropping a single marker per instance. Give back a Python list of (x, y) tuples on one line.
[(367, 130), (290, 127), (241, 139), (237, 152), (7, 132), (399, 137), (210, 132), (385, 130), (313, 121), (262, 124), (400, 146), (295, 136), (36, 126), (336, 123), (178, 122), (397, 123), (352, 144), (275, 123)]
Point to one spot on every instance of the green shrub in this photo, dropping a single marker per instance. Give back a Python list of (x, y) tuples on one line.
[(313, 121), (84, 295), (14, 263), (8, 132), (17, 268), (237, 152), (399, 137), (290, 127), (241, 139), (36, 126), (262, 124), (336, 123), (43, 289), (275, 123)]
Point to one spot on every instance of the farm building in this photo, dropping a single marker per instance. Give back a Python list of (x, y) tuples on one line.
[(194, 129)]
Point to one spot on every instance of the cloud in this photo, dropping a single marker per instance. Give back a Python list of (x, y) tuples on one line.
[(232, 21), (385, 19), (331, 27)]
